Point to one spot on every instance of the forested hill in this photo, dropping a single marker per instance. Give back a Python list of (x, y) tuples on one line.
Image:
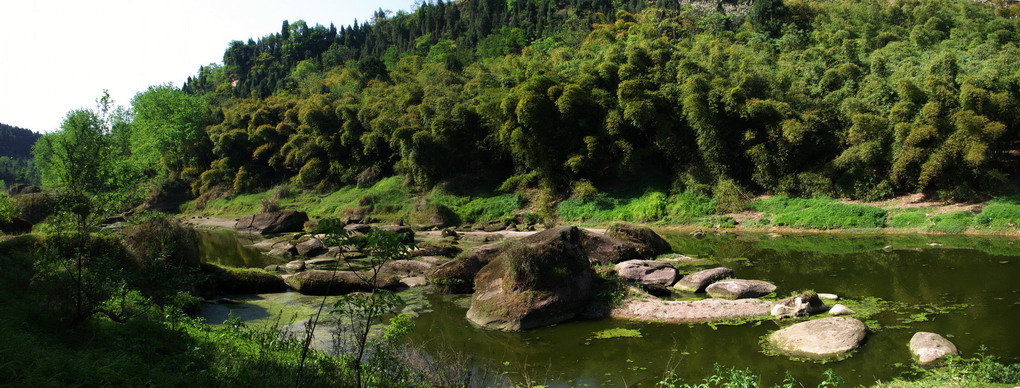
[(860, 99), (16, 142), (16, 154)]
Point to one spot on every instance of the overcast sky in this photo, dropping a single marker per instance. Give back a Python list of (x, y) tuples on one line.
[(59, 55)]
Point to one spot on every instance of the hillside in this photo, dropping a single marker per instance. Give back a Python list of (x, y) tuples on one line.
[(16, 154)]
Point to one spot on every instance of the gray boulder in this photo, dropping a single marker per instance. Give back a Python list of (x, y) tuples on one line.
[(839, 309), (819, 339), (739, 289), (930, 348), (415, 281), (696, 282), (645, 240), (799, 306), (533, 283), (285, 221), (320, 261), (311, 248), (358, 228), (647, 271), (406, 268), (605, 250), (295, 266)]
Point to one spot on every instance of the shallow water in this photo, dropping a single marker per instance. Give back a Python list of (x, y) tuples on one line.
[(912, 272), (971, 283), (227, 247)]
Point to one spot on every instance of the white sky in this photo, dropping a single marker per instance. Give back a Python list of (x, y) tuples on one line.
[(59, 55)]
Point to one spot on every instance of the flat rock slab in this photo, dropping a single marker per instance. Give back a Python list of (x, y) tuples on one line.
[(696, 282), (698, 311), (929, 348), (739, 289), (819, 339)]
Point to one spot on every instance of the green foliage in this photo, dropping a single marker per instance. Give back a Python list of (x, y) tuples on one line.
[(6, 208), (833, 216), (167, 133), (908, 220), (955, 222), (999, 216)]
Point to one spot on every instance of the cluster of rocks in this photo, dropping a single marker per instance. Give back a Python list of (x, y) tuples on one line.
[(547, 277)]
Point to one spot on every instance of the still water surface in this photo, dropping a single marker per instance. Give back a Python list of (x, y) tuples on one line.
[(972, 284)]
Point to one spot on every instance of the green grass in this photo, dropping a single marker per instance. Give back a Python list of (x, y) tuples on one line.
[(387, 200), (999, 216), (908, 220), (652, 206), (833, 216), (953, 223), (782, 204), (479, 209)]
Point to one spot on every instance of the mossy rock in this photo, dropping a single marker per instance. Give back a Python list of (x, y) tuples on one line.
[(426, 216), (533, 283), (645, 240), (243, 280), (457, 276), (322, 282), (437, 249)]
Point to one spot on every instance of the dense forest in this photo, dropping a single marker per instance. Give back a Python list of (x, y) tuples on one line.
[(16, 165), (863, 100)]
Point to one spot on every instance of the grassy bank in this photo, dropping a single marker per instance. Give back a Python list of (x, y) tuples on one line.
[(390, 201)]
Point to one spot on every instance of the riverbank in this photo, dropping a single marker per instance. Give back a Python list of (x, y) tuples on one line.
[(388, 201)]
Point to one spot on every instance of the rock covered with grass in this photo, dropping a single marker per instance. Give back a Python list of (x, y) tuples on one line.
[(323, 282), (698, 281), (241, 280), (930, 348), (739, 289), (536, 281), (819, 339)]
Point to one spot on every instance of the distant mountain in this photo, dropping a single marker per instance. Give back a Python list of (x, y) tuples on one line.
[(15, 142), (16, 165)]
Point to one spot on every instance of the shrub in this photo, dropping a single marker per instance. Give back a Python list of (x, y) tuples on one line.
[(167, 257), (584, 189), (689, 206), (729, 197), (999, 216)]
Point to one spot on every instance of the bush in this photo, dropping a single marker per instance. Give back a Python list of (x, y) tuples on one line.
[(833, 216), (689, 206), (730, 197), (999, 216)]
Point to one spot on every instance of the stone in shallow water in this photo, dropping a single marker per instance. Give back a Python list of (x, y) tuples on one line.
[(799, 306), (696, 282), (839, 309), (929, 348), (739, 289), (647, 271), (820, 339)]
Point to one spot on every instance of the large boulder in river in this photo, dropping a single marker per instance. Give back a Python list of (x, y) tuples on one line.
[(647, 271), (285, 221), (929, 348), (739, 289), (696, 282), (457, 276), (544, 280), (405, 232), (311, 248), (647, 242), (605, 250), (406, 268), (241, 280), (819, 339), (322, 282)]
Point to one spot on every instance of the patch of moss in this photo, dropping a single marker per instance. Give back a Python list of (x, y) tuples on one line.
[(618, 332)]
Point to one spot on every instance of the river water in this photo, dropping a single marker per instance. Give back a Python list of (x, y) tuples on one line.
[(965, 288)]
